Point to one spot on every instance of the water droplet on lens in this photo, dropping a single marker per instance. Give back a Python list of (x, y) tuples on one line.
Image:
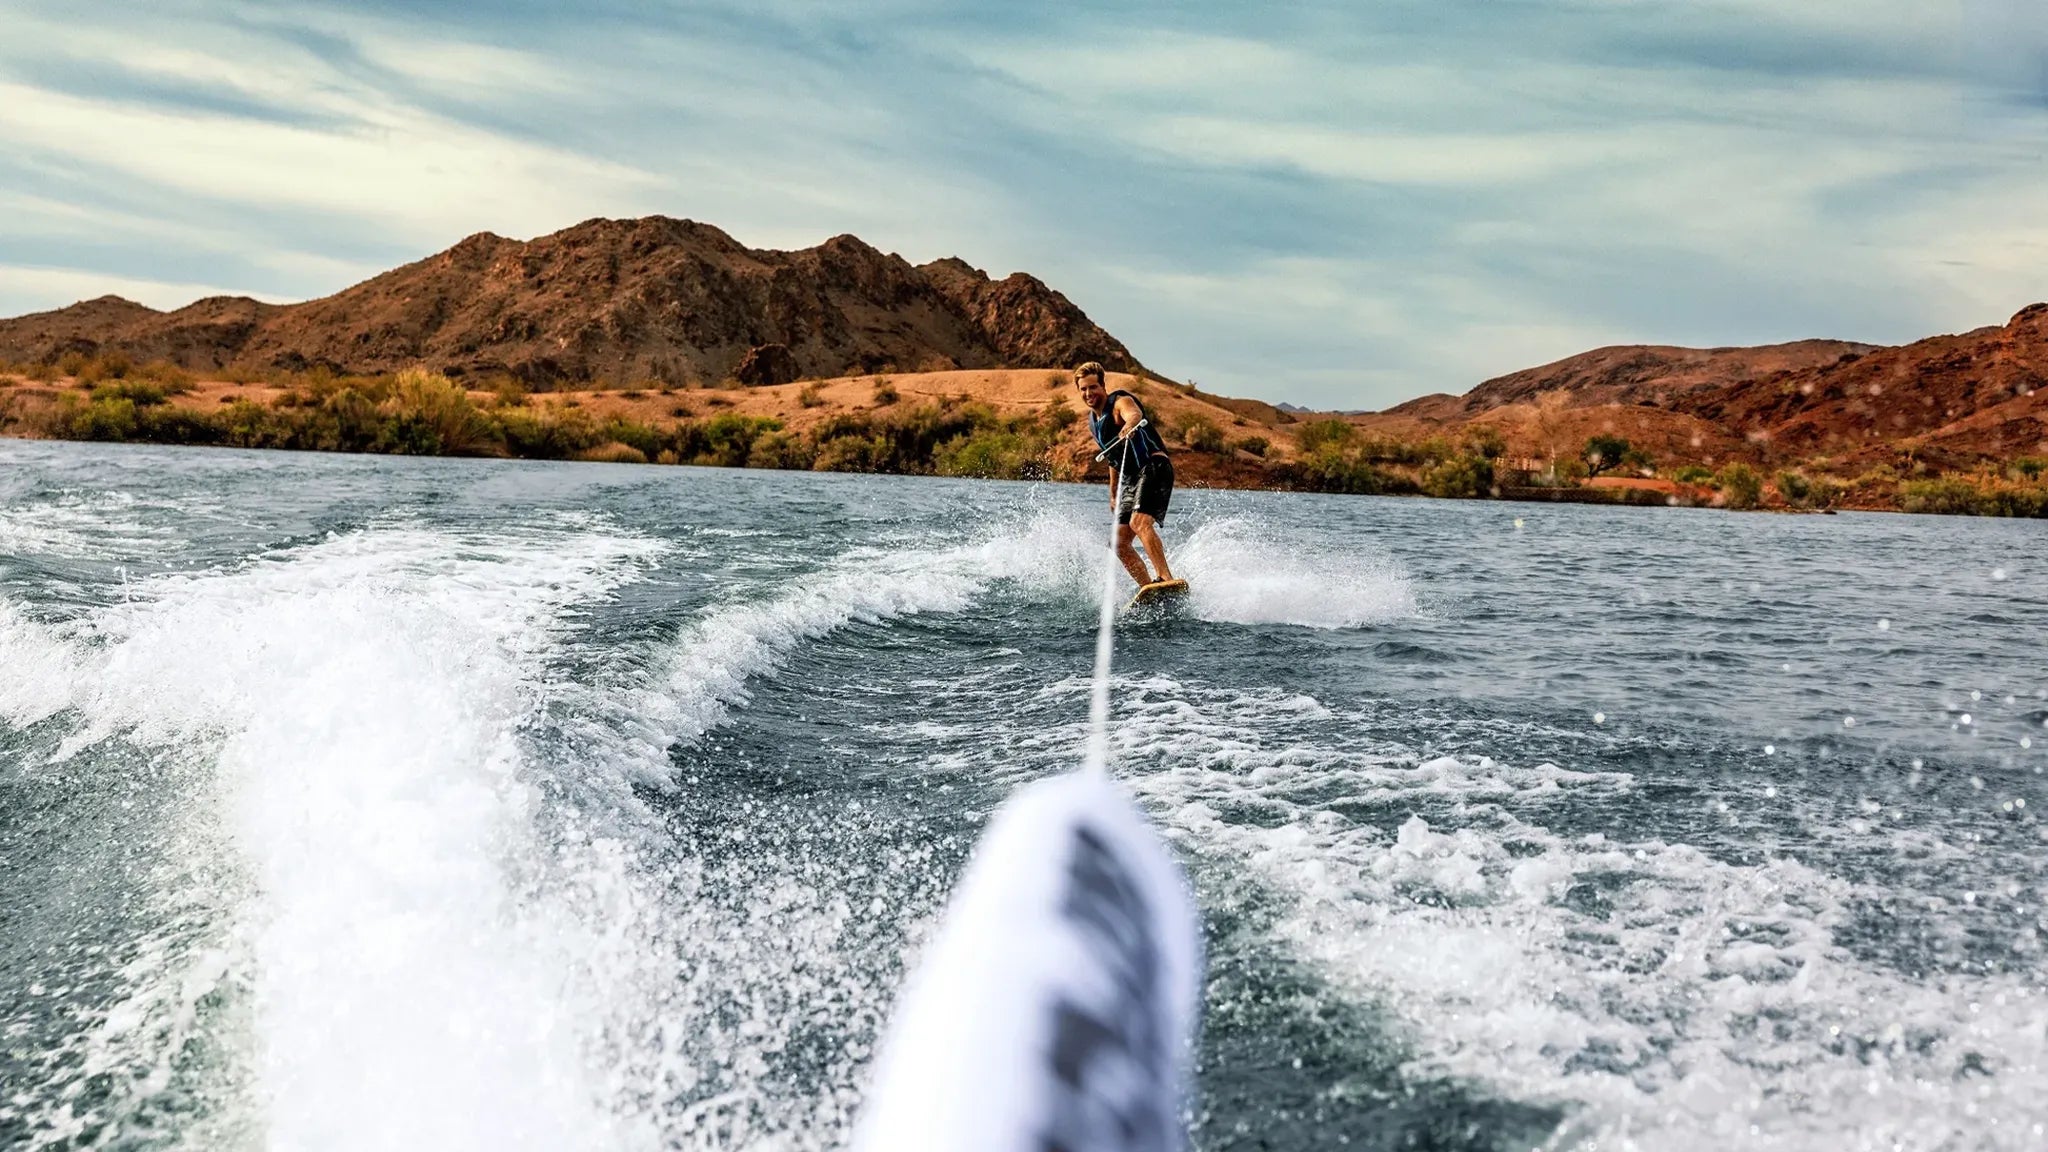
[(1599, 717), (1770, 749), (1884, 625)]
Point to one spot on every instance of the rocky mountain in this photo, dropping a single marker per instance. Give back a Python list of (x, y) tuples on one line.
[(1654, 376), (1975, 394), (621, 300), (1951, 400)]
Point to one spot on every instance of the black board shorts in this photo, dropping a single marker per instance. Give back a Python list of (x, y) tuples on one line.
[(1150, 491)]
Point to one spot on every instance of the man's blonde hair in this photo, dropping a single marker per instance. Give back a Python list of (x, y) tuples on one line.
[(1091, 368)]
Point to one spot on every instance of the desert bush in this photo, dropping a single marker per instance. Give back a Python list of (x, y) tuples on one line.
[(73, 363), (1485, 442), (1386, 450), (110, 418), (1793, 488), (779, 449), (1459, 478), (2027, 467), (1946, 495), (166, 375), (626, 430), (851, 452), (547, 431), (809, 396), (1328, 468), (1693, 474), (2025, 500), (141, 393), (1604, 450), (1058, 416), (1740, 485), (728, 438), (42, 372), (1320, 433), (885, 393), (613, 452), (988, 453), (1202, 435), (1256, 445), (1056, 380), (427, 415)]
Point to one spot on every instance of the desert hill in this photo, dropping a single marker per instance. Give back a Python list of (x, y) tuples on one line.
[(1956, 399), (653, 299), (662, 339)]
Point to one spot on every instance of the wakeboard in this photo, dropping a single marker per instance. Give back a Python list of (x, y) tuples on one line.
[(1159, 592)]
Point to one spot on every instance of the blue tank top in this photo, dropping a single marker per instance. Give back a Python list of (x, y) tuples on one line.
[(1145, 443)]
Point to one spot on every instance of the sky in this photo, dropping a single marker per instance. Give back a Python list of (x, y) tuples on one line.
[(1341, 205)]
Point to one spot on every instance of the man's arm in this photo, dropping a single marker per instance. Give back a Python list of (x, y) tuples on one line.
[(1127, 415)]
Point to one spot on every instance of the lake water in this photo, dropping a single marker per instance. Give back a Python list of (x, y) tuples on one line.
[(353, 802)]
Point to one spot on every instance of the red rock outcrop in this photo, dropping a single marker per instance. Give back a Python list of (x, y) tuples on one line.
[(624, 300)]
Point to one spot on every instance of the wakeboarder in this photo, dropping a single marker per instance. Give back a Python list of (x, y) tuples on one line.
[(1140, 476)]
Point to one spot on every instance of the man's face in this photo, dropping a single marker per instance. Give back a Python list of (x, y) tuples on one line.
[(1092, 391)]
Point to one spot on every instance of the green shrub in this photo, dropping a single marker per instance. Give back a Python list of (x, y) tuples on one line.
[(1320, 433), (110, 418), (1330, 469), (885, 394), (809, 397), (1256, 445), (1058, 415), (851, 453), (1793, 488), (1459, 478), (1946, 495), (1693, 474), (613, 452), (2029, 501), (779, 450), (141, 393), (427, 415), (1740, 485), (546, 431), (2028, 467), (1603, 451), (1485, 442), (1202, 435), (987, 453), (166, 375), (728, 438)]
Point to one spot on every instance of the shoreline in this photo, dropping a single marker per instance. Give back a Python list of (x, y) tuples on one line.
[(987, 424)]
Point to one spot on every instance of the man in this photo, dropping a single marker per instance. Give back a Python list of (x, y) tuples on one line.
[(1140, 474)]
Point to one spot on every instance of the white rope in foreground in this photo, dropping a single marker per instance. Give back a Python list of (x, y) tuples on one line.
[(1054, 1009)]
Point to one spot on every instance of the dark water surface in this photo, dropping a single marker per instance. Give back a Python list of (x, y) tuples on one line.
[(362, 802)]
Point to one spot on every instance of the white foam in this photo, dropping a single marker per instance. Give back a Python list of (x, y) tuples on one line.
[(1708, 1007), (85, 525), (410, 987), (1239, 576), (38, 667), (1242, 572)]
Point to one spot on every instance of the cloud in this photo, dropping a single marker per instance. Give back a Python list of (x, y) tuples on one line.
[(1335, 204), (28, 289)]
